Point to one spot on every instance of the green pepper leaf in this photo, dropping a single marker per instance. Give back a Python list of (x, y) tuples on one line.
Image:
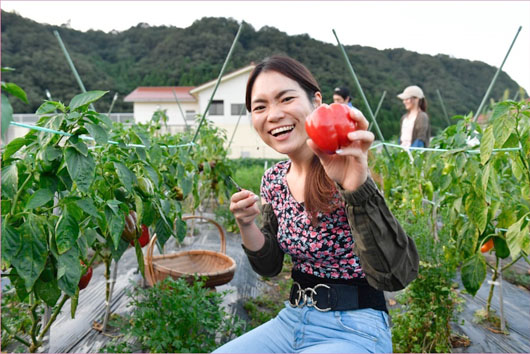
[(97, 132), (31, 259), (127, 178), (69, 271), (66, 232), (48, 291), (9, 181), (116, 224), (87, 205), (139, 257), (11, 243), (13, 146), (15, 90), (477, 210), (39, 198), (81, 168), (486, 145), (473, 273), (85, 98)]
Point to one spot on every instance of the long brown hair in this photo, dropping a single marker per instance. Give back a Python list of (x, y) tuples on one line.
[(319, 188), (422, 103)]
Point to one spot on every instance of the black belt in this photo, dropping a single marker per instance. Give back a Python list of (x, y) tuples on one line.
[(337, 297)]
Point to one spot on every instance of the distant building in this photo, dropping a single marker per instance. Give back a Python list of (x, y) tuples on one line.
[(226, 109)]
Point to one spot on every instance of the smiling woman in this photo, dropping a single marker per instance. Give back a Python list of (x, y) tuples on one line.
[(325, 211)]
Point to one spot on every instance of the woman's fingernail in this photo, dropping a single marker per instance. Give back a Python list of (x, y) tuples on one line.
[(256, 198)]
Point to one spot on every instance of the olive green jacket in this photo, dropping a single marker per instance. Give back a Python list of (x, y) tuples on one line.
[(388, 256)]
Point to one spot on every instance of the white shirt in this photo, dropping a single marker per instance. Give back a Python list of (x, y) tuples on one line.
[(406, 130)]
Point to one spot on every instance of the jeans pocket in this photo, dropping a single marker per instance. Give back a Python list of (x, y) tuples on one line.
[(362, 326)]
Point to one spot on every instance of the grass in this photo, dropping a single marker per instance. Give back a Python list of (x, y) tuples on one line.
[(267, 305)]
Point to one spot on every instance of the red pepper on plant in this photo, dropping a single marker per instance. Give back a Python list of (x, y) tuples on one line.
[(85, 279), (487, 246), (129, 231), (143, 240)]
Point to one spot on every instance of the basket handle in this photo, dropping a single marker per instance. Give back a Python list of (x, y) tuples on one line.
[(150, 248), (149, 259), (219, 228)]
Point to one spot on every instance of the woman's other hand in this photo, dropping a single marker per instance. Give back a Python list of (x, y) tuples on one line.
[(245, 208), (349, 166)]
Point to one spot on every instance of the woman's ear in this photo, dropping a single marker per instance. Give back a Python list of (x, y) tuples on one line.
[(317, 100)]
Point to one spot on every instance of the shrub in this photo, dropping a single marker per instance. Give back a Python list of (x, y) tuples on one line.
[(176, 317), (429, 304)]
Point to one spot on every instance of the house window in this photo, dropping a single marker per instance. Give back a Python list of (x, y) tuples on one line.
[(237, 109), (217, 108), (190, 114)]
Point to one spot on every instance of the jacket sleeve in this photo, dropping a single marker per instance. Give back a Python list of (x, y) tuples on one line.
[(267, 261), (422, 129), (388, 256)]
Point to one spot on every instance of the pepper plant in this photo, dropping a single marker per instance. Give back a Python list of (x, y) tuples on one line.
[(480, 176), (65, 201)]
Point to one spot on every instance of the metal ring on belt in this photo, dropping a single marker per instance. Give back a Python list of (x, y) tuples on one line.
[(326, 297), (301, 297)]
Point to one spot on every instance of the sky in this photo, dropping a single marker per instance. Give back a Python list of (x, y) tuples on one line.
[(473, 30)]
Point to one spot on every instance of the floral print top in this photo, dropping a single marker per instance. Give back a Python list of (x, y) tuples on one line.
[(326, 250)]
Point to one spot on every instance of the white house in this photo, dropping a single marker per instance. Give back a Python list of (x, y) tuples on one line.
[(227, 110)]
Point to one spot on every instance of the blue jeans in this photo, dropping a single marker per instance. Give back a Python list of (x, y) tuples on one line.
[(307, 330)]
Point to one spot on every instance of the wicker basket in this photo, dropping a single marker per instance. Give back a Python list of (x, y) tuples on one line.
[(218, 267)]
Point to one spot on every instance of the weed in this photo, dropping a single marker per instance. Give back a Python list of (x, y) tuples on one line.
[(174, 317)]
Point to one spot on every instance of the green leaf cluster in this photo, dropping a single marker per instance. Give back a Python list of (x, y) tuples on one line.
[(421, 322), (176, 317)]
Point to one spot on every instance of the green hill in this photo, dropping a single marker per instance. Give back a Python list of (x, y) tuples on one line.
[(160, 56)]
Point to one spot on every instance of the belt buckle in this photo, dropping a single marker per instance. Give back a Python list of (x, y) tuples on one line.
[(299, 292), (313, 302), (302, 297)]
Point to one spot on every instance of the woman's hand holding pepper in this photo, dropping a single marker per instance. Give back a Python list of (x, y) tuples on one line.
[(349, 166)]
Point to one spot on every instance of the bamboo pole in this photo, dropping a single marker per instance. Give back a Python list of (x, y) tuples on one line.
[(378, 108), (217, 84), (112, 103), (237, 124), (180, 108), (481, 106), (109, 299), (72, 66), (446, 116), (370, 113), (501, 301)]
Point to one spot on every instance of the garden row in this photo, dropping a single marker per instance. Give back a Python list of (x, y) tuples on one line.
[(83, 189), (465, 196)]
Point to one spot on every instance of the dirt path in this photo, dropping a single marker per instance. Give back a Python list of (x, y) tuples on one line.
[(516, 306)]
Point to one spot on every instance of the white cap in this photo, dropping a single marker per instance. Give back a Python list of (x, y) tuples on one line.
[(411, 91)]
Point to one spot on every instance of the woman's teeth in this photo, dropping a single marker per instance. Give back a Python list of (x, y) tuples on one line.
[(280, 130)]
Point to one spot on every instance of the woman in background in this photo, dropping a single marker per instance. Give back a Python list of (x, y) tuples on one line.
[(415, 129)]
